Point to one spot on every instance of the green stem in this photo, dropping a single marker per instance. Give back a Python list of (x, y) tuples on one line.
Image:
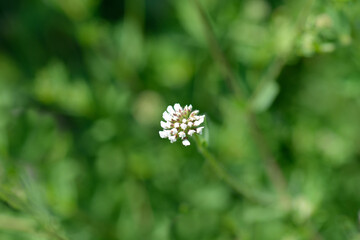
[(280, 60), (273, 170), (225, 176), (218, 55)]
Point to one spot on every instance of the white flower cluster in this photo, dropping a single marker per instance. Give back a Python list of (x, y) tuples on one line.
[(181, 123)]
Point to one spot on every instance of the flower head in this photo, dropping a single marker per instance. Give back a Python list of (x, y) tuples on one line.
[(181, 123)]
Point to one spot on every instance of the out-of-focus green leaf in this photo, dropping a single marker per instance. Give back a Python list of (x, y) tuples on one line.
[(265, 96)]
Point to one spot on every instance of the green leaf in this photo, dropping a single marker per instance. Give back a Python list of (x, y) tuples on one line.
[(265, 97)]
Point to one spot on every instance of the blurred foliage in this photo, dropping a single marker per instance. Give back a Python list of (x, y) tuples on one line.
[(83, 84)]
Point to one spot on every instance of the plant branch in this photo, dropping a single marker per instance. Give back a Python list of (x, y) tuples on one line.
[(218, 55), (280, 60), (225, 176), (273, 170)]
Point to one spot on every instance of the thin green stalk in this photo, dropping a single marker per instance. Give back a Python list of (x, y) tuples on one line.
[(273, 170), (279, 62), (225, 176), (218, 55)]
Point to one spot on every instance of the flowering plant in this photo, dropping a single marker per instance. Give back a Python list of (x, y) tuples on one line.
[(181, 123)]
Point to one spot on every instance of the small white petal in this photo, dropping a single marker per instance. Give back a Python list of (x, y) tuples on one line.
[(186, 142), (200, 121), (199, 130), (188, 108), (195, 112), (166, 116), (184, 120), (182, 134), (165, 124), (172, 139), (197, 123), (199, 117), (183, 126), (190, 124), (164, 134), (170, 109), (174, 131), (176, 125), (191, 132), (177, 107)]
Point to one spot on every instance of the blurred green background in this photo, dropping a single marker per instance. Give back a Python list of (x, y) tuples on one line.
[(83, 84)]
